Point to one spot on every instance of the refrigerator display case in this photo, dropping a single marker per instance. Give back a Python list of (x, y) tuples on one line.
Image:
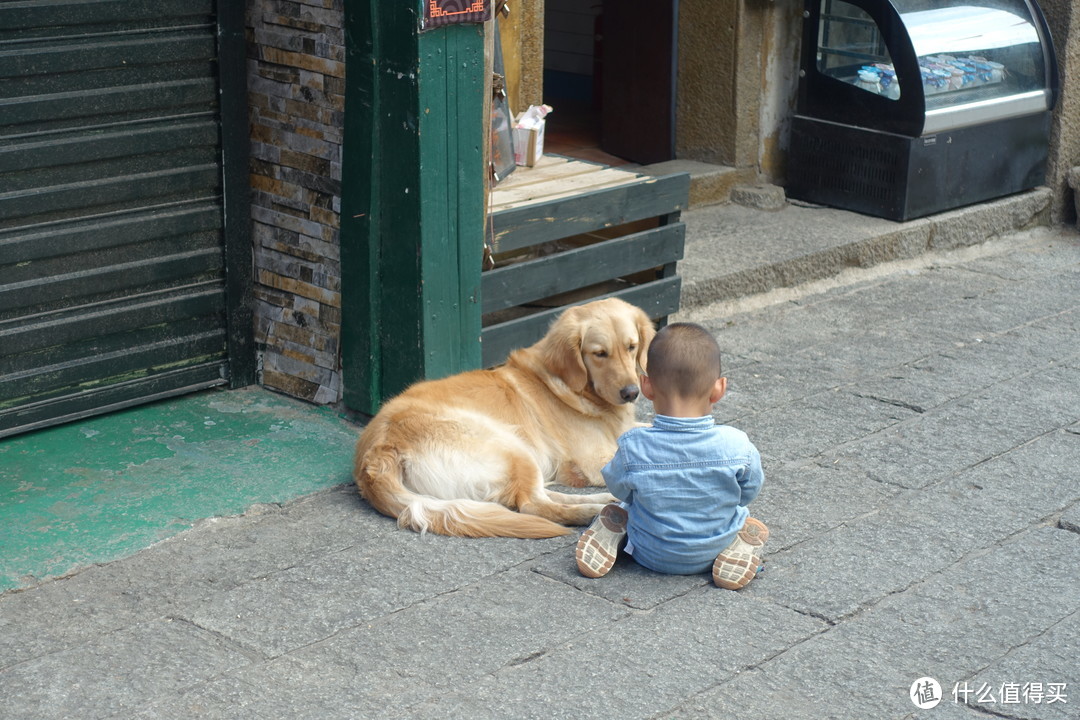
[(911, 107)]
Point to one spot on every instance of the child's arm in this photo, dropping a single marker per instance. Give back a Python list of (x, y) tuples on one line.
[(615, 477), (750, 478)]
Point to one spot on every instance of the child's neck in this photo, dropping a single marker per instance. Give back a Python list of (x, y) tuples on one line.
[(681, 407)]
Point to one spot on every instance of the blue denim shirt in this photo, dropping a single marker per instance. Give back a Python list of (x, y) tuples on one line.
[(686, 483)]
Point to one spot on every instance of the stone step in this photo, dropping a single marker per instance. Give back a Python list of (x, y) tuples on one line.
[(709, 184), (733, 251)]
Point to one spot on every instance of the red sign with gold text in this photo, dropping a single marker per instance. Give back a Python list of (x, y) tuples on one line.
[(449, 12)]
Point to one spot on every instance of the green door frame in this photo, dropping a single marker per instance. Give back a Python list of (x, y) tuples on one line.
[(412, 217)]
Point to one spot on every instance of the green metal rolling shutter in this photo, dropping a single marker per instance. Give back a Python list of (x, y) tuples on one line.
[(112, 218)]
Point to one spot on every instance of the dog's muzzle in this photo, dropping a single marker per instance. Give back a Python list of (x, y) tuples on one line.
[(629, 393)]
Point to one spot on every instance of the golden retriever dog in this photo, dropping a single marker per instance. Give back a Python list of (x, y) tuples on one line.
[(470, 455)]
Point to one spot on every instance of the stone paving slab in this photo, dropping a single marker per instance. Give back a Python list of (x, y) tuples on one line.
[(382, 667), (805, 501), (954, 625), (310, 601), (115, 672), (1023, 683), (958, 370), (639, 666), (937, 444), (839, 572), (824, 420), (627, 583), (186, 570)]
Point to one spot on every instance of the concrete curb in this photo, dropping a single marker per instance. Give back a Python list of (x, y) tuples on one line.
[(735, 251)]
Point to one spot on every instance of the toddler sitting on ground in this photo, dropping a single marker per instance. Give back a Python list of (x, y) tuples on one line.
[(684, 481)]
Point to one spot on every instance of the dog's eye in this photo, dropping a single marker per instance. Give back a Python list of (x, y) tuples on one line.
[(600, 353), (631, 347)]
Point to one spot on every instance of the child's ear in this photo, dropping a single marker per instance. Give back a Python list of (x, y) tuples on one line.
[(646, 387), (718, 391)]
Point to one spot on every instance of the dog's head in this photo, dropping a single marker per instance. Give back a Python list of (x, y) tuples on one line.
[(600, 348)]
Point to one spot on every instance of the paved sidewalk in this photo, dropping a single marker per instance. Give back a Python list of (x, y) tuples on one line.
[(920, 428)]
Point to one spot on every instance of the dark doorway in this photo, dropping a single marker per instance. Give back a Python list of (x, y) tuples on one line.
[(609, 72)]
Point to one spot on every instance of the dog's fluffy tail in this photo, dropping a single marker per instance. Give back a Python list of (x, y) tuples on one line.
[(378, 476), (471, 518)]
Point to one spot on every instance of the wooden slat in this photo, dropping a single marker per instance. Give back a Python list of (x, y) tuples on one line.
[(587, 212), (553, 189), (549, 167), (544, 164), (545, 176), (659, 299), (546, 276)]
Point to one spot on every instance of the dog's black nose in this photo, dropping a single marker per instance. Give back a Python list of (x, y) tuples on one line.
[(629, 393)]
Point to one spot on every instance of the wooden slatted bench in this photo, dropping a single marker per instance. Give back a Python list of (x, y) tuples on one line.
[(568, 232)]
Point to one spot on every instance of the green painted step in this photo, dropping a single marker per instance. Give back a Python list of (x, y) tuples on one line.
[(100, 489)]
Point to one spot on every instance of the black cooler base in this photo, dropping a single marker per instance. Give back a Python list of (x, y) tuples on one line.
[(902, 178)]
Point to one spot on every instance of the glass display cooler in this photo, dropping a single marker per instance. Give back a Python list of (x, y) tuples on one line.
[(911, 107)]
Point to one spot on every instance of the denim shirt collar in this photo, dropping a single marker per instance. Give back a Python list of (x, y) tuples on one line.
[(666, 422)]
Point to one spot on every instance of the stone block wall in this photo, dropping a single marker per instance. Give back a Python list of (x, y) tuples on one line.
[(296, 95)]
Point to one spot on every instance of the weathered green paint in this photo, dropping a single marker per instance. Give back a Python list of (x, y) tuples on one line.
[(604, 260), (530, 225), (104, 488), (451, 176), (412, 201)]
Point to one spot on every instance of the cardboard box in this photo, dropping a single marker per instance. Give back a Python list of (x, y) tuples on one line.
[(528, 144)]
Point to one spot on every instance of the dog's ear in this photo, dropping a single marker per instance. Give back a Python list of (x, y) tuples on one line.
[(561, 353), (646, 333)]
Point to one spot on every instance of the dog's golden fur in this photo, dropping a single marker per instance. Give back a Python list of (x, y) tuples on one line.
[(470, 455)]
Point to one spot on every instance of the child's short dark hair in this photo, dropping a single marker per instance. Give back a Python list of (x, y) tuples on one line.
[(684, 360)]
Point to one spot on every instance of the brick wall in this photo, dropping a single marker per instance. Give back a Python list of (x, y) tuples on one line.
[(296, 93)]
